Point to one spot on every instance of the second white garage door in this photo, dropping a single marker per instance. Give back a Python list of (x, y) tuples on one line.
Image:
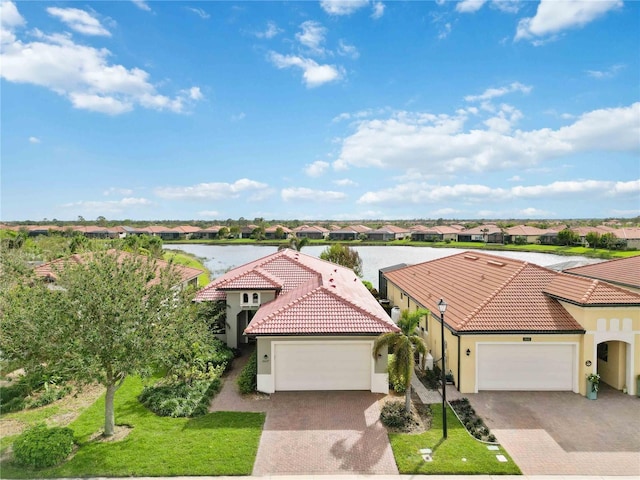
[(322, 366), (527, 366)]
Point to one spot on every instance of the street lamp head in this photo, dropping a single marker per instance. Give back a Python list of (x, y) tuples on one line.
[(442, 306)]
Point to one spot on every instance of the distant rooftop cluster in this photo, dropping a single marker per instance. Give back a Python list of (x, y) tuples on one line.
[(487, 233)]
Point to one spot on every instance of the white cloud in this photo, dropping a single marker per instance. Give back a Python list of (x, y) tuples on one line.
[(378, 10), (347, 50), (10, 18), (552, 17), (79, 21), (491, 93), (200, 12), (469, 6), (507, 6), (610, 72), (313, 73), (84, 75), (443, 212), (316, 169), (117, 191), (238, 116), (312, 36), (34, 140), (437, 144), (213, 191), (109, 206), (271, 31), (419, 193), (345, 182), (342, 7), (308, 194), (515, 178), (532, 212), (142, 5)]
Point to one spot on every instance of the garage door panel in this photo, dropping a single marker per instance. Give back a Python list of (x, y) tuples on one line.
[(525, 367), (322, 366)]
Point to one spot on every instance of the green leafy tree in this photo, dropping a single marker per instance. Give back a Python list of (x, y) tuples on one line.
[(568, 237), (343, 255), (593, 238), (608, 240), (111, 316), (404, 345)]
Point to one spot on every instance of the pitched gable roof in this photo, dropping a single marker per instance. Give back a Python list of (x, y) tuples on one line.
[(486, 293), (621, 271), (587, 292), (313, 297)]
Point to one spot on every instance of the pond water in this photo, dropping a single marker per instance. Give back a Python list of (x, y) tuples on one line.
[(220, 258)]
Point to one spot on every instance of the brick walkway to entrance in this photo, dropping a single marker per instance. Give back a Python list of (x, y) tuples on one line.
[(313, 433)]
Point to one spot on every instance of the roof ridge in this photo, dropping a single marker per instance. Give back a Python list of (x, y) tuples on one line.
[(284, 306), (357, 307), (493, 295), (593, 284)]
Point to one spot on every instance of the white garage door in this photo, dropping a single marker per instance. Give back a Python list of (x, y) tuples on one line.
[(525, 367), (323, 366)]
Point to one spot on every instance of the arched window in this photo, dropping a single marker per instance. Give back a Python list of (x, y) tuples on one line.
[(256, 298), (245, 298)]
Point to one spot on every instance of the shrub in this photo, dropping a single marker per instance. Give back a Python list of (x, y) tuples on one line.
[(181, 399), (41, 447), (248, 378), (34, 389), (394, 415), (396, 382)]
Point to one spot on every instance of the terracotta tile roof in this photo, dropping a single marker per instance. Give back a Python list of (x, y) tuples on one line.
[(525, 230), (486, 293), (621, 271), (588, 292), (50, 270), (315, 297), (479, 230)]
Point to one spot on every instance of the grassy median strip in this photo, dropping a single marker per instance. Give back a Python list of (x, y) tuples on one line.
[(219, 443), (459, 454)]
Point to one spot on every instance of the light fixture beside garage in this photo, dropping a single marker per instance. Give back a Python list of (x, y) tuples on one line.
[(468, 352), (265, 358)]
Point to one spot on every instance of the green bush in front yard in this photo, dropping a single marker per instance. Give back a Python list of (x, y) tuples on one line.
[(182, 399), (394, 415), (41, 447), (248, 378)]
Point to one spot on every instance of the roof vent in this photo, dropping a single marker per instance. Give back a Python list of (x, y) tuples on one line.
[(495, 263), (470, 257)]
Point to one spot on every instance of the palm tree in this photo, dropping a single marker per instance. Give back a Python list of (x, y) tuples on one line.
[(404, 344), (295, 243)]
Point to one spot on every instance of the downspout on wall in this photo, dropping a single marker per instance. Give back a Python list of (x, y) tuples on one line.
[(459, 357)]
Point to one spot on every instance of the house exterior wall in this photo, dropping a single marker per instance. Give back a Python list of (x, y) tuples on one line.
[(235, 308)]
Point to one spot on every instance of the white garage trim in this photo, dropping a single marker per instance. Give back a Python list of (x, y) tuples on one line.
[(532, 366), (323, 365)]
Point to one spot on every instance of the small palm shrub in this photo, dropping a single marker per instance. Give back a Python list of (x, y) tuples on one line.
[(41, 447), (248, 378), (394, 415), (396, 382)]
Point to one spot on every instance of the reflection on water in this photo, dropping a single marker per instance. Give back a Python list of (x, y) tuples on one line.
[(220, 258)]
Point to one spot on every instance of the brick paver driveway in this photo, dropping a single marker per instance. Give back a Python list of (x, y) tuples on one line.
[(563, 433), (328, 433), (308, 433)]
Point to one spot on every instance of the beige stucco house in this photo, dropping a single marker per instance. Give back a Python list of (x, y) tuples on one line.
[(513, 325), (314, 323)]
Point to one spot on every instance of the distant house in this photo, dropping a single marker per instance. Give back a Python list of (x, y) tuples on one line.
[(352, 232), (93, 231), (525, 232), (209, 233), (188, 231), (314, 323), (246, 231), (271, 233), (483, 233), (35, 230), (312, 232), (388, 233), (440, 233)]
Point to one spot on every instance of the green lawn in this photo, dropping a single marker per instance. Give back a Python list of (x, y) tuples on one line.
[(220, 443), (459, 454), (181, 258)]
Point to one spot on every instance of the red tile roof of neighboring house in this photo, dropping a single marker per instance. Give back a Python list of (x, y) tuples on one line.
[(584, 291), (479, 230), (314, 297), (187, 229), (50, 270), (486, 293), (622, 271)]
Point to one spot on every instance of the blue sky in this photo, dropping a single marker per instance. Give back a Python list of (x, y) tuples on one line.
[(320, 110)]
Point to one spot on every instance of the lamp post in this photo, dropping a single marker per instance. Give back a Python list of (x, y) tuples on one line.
[(442, 306)]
